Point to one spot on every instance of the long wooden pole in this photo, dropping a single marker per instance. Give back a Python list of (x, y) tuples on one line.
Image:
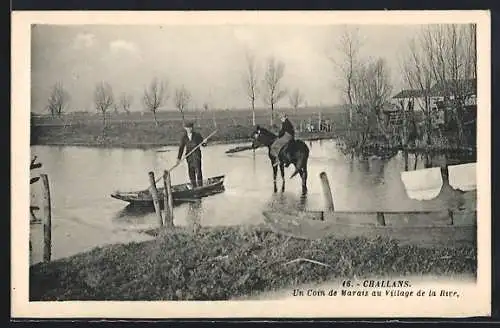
[(156, 201), (327, 191), (168, 200), (47, 219)]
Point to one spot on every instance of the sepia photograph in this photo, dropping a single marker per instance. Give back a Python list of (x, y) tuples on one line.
[(251, 159)]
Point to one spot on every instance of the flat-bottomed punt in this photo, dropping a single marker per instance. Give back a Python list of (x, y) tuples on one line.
[(180, 193), (441, 227)]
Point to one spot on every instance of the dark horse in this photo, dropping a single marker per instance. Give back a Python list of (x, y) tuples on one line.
[(296, 153)]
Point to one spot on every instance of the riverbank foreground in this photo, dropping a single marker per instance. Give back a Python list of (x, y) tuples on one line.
[(224, 263)]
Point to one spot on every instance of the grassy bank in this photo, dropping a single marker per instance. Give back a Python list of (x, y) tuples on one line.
[(222, 263), (141, 131), (135, 131)]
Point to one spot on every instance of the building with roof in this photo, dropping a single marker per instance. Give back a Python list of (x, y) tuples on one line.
[(466, 88)]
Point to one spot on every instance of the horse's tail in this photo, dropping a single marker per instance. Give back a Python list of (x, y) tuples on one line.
[(294, 173)]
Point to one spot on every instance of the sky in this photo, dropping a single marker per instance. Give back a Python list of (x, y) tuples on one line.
[(208, 60)]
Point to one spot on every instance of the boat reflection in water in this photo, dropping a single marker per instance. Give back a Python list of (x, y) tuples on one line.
[(194, 215)]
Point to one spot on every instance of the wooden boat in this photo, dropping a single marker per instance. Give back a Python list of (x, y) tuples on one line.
[(444, 227), (180, 193)]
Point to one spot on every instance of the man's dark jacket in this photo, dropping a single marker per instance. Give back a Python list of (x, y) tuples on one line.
[(286, 126), (187, 144)]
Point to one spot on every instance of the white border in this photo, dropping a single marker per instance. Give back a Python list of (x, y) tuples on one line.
[(475, 299)]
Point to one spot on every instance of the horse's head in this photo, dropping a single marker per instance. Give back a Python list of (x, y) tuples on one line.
[(262, 137), (256, 137)]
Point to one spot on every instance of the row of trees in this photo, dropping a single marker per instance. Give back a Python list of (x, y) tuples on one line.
[(365, 85), (156, 93), (439, 55), (154, 97)]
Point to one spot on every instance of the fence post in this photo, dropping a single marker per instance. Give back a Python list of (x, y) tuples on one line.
[(47, 219), (154, 194), (327, 191), (168, 200)]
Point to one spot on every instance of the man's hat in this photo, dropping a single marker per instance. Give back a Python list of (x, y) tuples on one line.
[(188, 125)]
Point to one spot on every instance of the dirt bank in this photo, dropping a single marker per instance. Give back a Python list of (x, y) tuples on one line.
[(143, 135), (223, 263)]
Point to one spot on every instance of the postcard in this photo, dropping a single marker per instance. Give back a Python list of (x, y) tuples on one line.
[(250, 164)]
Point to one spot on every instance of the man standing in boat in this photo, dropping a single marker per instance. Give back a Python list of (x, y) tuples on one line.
[(190, 140), (286, 134)]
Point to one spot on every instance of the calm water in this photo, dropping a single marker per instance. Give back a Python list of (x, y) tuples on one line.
[(82, 179)]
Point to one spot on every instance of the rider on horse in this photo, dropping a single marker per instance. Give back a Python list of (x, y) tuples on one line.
[(285, 136)]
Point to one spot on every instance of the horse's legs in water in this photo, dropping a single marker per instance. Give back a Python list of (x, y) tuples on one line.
[(275, 173), (303, 176), (282, 171)]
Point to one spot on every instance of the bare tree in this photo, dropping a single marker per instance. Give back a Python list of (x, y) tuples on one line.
[(182, 99), (125, 102), (155, 95), (103, 99), (350, 44), (273, 92), (371, 89), (250, 82), (296, 99), (472, 50), (418, 76), (58, 100), (207, 108)]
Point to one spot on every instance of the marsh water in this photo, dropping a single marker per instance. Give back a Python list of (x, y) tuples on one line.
[(82, 179)]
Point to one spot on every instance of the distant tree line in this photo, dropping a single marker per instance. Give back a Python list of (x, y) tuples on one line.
[(437, 55)]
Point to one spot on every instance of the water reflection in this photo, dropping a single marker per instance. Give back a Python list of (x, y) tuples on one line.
[(199, 212), (254, 162), (195, 215), (288, 200), (364, 166), (377, 170), (132, 212), (428, 161)]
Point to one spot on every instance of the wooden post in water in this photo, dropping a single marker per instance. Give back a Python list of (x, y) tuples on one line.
[(450, 215), (319, 122), (381, 218), (154, 194), (405, 156), (168, 200), (327, 191), (47, 219)]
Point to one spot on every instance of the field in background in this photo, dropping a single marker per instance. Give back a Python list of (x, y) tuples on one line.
[(139, 129)]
